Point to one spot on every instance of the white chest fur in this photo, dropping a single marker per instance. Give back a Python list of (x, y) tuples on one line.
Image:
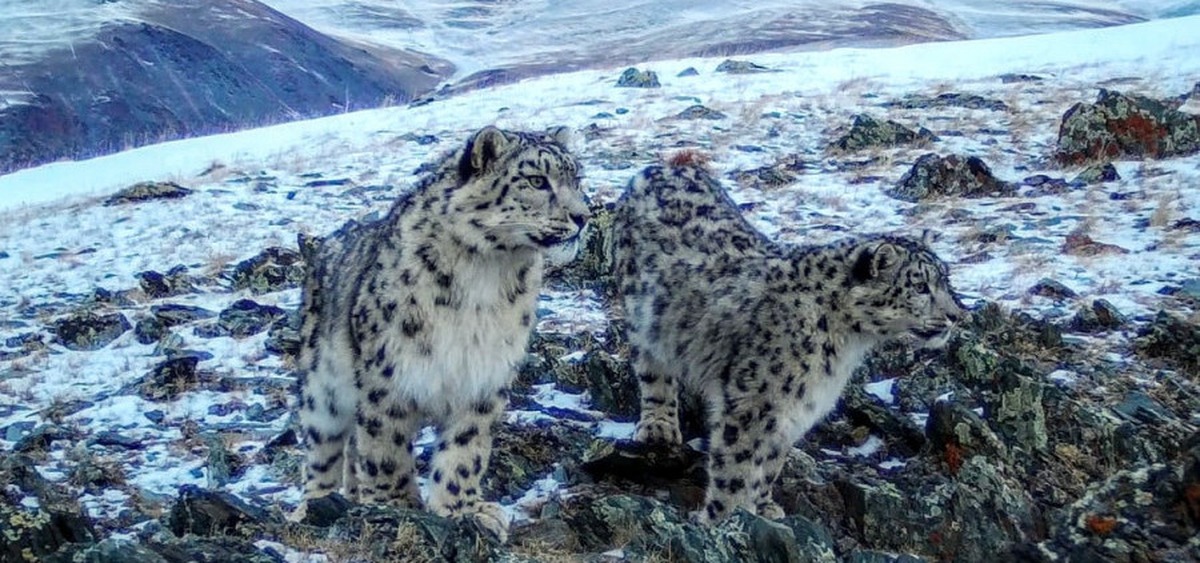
[(473, 346)]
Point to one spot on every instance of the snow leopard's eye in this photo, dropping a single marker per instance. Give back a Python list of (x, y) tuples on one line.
[(538, 182)]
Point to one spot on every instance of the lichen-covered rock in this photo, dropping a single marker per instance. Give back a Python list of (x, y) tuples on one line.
[(1097, 174), (37, 518), (1016, 409), (1053, 289), (934, 176), (1172, 339), (167, 380), (949, 99), (379, 533), (283, 337), (782, 173), (866, 131), (976, 515), (634, 78), (111, 550), (213, 513), (592, 267), (646, 529), (146, 191), (583, 362), (1142, 514), (523, 454), (243, 318), (155, 327), (1125, 126), (700, 112), (731, 66), (175, 282), (273, 269), (90, 331), (1101, 316)]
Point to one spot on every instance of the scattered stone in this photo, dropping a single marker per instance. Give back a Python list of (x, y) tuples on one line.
[(523, 454), (1016, 409), (283, 338), (167, 380), (974, 516), (689, 71), (37, 517), (866, 131), (934, 176), (1142, 514), (1101, 316), (958, 433), (700, 112), (1172, 339), (1045, 185), (112, 438), (379, 533), (328, 182), (89, 331), (149, 331), (634, 78), (1125, 126), (243, 318), (1082, 244), (274, 269), (949, 99), (1097, 174), (764, 177), (146, 191), (592, 266), (212, 513), (1186, 224), (324, 511), (175, 282), (1047, 287), (27, 341), (740, 67), (1011, 78)]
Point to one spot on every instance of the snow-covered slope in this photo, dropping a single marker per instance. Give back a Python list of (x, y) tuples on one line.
[(572, 33), (258, 188)]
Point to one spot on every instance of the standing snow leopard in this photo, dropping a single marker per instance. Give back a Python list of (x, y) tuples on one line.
[(766, 334), (421, 316)]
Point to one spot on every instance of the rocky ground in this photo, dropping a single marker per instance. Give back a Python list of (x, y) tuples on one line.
[(1059, 424)]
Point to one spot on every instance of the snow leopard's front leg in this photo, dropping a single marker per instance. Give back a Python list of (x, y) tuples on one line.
[(748, 438), (464, 448), (385, 470), (658, 389)]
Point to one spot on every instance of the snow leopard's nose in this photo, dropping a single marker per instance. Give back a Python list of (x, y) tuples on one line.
[(579, 219)]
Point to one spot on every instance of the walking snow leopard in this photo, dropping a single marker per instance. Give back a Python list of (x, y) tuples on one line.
[(766, 334), (421, 317)]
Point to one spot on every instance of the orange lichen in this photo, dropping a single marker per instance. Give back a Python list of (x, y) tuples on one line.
[(954, 458), (1101, 525)]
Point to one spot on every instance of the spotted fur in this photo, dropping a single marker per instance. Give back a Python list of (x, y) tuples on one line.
[(766, 334), (421, 316)]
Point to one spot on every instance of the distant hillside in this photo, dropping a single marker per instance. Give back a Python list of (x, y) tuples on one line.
[(143, 72)]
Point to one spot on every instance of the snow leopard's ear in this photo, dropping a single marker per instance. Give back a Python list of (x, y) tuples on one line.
[(561, 134), (876, 260), (482, 148)]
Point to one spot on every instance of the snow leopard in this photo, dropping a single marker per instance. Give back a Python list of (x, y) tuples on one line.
[(420, 317), (766, 334)]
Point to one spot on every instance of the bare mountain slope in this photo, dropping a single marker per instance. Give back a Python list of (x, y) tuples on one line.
[(82, 78)]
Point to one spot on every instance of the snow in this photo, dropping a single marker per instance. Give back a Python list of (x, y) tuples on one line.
[(868, 448), (883, 389), (59, 243)]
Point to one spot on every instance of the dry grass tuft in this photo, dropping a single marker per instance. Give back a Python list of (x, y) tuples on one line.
[(690, 157)]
